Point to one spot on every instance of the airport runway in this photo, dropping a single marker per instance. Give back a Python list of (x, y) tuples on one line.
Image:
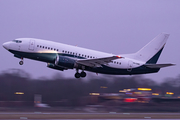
[(89, 116), (91, 119)]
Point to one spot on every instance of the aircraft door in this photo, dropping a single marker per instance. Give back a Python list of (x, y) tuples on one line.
[(31, 45), (130, 65)]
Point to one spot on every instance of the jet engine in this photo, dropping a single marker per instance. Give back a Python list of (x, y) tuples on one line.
[(53, 66), (62, 61)]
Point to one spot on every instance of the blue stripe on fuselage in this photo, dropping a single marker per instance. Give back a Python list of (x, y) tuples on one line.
[(155, 58), (115, 71), (50, 58)]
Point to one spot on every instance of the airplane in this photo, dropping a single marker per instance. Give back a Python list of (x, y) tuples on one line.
[(63, 57)]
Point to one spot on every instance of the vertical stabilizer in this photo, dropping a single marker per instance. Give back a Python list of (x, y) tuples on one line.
[(151, 52)]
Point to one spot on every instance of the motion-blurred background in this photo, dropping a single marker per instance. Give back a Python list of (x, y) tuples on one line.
[(119, 94), (113, 26)]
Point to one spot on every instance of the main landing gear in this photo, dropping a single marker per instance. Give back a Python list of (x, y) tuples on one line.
[(78, 75), (21, 62)]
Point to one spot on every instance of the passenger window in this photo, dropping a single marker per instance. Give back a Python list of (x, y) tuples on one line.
[(40, 46), (57, 50), (62, 51), (37, 45), (51, 48), (45, 47), (48, 47)]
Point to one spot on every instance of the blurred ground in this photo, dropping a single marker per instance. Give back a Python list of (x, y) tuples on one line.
[(70, 115)]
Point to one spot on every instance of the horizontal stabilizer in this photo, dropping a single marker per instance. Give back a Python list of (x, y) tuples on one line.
[(158, 65)]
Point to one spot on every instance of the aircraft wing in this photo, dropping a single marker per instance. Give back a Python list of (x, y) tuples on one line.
[(158, 65), (97, 62)]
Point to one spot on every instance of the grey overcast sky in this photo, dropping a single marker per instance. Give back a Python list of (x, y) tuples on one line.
[(113, 26)]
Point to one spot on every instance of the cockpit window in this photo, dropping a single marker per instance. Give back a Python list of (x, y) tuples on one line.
[(17, 41)]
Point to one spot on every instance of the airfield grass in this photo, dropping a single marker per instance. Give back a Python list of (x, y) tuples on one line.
[(88, 116)]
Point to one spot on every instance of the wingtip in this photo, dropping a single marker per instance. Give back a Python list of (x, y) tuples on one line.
[(173, 64)]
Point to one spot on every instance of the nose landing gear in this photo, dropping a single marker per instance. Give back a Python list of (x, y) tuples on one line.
[(21, 62)]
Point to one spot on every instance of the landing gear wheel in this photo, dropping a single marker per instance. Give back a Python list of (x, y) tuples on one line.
[(21, 62), (83, 74), (77, 75)]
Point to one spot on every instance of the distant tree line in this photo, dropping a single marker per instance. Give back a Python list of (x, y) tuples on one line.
[(59, 88)]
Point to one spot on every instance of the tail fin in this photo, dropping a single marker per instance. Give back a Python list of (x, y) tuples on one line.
[(151, 52)]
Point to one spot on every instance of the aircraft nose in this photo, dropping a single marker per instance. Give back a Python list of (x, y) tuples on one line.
[(6, 45)]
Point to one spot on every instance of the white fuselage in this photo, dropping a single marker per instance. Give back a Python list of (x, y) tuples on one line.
[(31, 45), (62, 56)]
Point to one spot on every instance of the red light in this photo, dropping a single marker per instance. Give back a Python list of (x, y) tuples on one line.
[(130, 99), (119, 56)]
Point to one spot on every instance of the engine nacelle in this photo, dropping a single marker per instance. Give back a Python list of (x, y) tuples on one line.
[(66, 62), (53, 66)]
